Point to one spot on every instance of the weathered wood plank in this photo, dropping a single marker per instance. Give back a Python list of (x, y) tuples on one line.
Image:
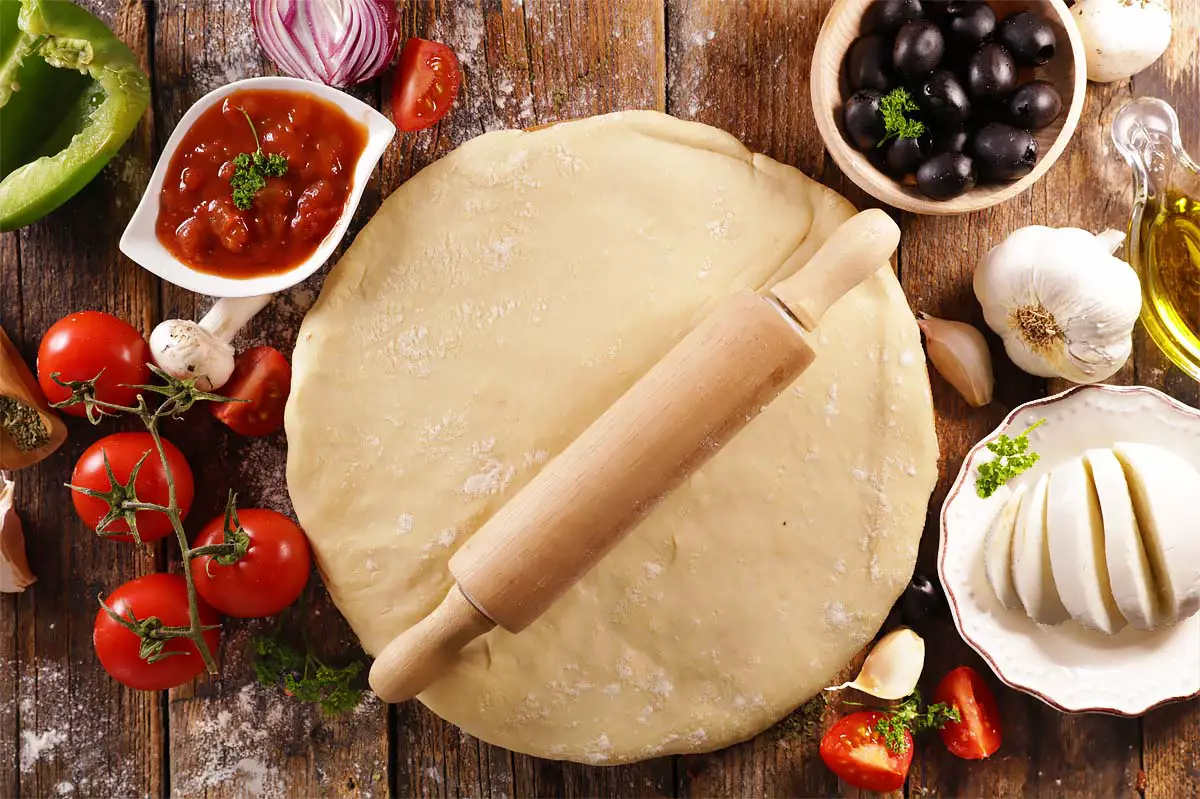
[(524, 64), (232, 737), (79, 731), (1171, 735)]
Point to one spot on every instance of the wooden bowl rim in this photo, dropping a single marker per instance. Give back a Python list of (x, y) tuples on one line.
[(884, 188)]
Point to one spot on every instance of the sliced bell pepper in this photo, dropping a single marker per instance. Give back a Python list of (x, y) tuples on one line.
[(71, 94)]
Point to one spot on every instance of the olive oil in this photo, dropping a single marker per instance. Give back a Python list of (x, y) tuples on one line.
[(1168, 258)]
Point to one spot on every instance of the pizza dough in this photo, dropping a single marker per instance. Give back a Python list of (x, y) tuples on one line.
[(495, 306)]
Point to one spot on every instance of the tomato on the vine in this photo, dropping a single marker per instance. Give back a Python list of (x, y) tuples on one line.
[(977, 735), (426, 83), (856, 751), (89, 343), (162, 596), (266, 579), (123, 451), (262, 379)]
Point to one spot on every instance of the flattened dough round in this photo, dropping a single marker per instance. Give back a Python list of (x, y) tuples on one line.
[(496, 305)]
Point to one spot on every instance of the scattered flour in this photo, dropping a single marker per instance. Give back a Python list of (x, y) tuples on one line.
[(35, 745)]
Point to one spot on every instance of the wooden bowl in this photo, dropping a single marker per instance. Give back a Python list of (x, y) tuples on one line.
[(1067, 71)]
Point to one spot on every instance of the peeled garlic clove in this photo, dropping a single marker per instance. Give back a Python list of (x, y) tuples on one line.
[(14, 568), (892, 668), (960, 354)]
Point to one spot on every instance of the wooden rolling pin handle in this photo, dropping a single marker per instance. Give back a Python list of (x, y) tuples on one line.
[(423, 653), (859, 248)]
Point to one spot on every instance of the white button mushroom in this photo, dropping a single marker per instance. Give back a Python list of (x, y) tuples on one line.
[(1122, 37), (185, 349)]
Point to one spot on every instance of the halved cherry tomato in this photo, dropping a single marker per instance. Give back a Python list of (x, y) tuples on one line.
[(163, 596), (89, 343), (855, 751), (124, 450), (426, 83), (978, 734), (262, 378), (265, 580)]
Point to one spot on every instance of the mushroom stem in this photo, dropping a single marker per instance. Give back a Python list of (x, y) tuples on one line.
[(230, 314), (201, 351)]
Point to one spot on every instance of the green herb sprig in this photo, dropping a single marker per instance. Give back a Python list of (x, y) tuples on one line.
[(303, 675), (251, 170), (895, 107), (1012, 458), (908, 717)]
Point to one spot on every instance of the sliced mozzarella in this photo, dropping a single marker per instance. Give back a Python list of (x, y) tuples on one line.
[(1165, 489), (1032, 575), (1128, 570), (1075, 533), (997, 551)]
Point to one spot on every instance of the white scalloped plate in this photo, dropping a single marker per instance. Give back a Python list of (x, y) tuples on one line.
[(1069, 667)]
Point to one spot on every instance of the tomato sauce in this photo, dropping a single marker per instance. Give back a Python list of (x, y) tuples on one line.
[(198, 220)]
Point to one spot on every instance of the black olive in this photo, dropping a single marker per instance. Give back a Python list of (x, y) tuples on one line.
[(943, 99), (918, 49), (1035, 105), (905, 155), (970, 23), (863, 119), (1028, 37), (945, 176), (991, 72), (951, 140), (886, 16), (921, 600), (1003, 152), (868, 64)]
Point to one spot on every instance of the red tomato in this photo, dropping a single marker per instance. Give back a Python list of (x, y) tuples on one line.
[(264, 581), (978, 734), (856, 752), (261, 376), (426, 83), (123, 451), (163, 596), (90, 343)]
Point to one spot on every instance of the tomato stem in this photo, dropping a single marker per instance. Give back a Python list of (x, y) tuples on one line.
[(178, 397)]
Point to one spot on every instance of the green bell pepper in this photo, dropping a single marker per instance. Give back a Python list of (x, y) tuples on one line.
[(71, 94)]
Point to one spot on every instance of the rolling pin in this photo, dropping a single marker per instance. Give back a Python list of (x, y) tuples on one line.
[(706, 388)]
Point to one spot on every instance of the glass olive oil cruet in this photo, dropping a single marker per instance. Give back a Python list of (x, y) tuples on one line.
[(1164, 234)]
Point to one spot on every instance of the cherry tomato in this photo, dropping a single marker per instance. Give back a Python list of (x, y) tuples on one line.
[(264, 581), (124, 450), (426, 83), (163, 596), (261, 376), (857, 753), (90, 343), (978, 734)]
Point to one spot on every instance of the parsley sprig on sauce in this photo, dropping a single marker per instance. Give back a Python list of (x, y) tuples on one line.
[(895, 106), (1012, 458), (251, 171)]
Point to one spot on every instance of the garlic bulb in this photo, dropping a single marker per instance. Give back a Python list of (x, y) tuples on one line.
[(960, 354), (892, 668), (1122, 37), (14, 568), (1062, 303)]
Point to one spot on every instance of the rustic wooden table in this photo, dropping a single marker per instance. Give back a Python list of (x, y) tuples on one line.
[(66, 729)]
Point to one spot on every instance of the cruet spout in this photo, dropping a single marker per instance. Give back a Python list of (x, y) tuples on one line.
[(1146, 132)]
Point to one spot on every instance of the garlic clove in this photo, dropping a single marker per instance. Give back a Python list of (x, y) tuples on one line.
[(14, 568), (960, 354), (892, 668)]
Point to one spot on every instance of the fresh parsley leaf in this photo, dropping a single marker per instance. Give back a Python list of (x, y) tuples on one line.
[(304, 677), (1012, 458), (895, 106), (251, 170), (908, 716)]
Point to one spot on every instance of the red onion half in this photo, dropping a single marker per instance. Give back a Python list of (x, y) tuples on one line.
[(335, 42)]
